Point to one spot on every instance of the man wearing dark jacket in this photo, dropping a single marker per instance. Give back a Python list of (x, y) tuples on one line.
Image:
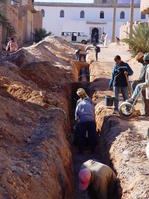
[(119, 80)]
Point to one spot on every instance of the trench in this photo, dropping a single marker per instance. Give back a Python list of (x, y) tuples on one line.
[(99, 154)]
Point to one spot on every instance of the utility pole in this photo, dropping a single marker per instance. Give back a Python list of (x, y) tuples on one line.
[(131, 17), (114, 20)]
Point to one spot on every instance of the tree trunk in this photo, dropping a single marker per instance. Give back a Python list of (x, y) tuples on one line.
[(114, 21), (131, 17)]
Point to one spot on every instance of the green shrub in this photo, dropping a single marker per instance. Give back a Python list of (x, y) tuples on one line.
[(41, 34), (139, 42)]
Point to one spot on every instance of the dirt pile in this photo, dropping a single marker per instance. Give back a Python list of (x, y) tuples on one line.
[(35, 90), (122, 142)]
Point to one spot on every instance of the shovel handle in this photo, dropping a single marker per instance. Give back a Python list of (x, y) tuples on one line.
[(129, 87)]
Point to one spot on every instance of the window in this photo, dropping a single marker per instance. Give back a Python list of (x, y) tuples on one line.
[(82, 14), (62, 13), (143, 16), (43, 12), (122, 15), (102, 15), (104, 1)]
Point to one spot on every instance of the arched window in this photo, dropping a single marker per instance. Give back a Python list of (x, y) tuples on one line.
[(62, 13), (143, 16), (102, 15), (82, 14), (43, 12), (122, 15)]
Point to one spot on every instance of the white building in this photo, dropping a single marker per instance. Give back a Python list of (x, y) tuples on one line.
[(89, 18)]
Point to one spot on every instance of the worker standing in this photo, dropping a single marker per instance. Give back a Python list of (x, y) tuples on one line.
[(119, 81), (141, 86), (85, 117), (78, 54), (139, 57), (103, 37), (97, 50), (98, 179)]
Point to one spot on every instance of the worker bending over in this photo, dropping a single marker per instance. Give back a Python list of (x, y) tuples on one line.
[(98, 179)]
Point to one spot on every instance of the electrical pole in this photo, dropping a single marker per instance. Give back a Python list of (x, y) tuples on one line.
[(131, 17), (114, 20)]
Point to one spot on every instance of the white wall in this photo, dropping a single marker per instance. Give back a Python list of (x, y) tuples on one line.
[(52, 21)]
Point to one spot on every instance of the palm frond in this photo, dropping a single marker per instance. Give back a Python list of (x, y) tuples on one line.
[(139, 42)]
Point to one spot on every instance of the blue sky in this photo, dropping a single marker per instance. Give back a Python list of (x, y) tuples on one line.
[(82, 1), (72, 1)]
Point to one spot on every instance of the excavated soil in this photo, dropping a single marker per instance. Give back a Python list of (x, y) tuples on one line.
[(35, 94), (122, 142), (37, 102)]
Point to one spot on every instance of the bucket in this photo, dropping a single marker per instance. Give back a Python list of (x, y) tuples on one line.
[(108, 101)]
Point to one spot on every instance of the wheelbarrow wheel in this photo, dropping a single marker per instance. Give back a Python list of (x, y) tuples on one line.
[(126, 109)]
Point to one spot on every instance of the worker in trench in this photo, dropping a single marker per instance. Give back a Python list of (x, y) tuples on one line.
[(85, 118), (98, 180), (97, 50)]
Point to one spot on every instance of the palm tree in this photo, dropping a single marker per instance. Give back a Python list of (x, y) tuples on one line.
[(114, 20), (131, 17), (139, 41)]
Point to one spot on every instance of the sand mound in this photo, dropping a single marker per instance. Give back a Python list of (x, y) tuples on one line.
[(35, 157)]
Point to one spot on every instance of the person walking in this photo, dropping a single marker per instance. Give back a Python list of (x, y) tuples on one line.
[(98, 179), (106, 40), (103, 37), (85, 117), (143, 85), (12, 46), (119, 80), (97, 50)]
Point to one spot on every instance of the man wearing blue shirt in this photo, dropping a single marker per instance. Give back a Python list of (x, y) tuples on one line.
[(85, 117), (119, 80)]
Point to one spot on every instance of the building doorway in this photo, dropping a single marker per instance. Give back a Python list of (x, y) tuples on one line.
[(95, 35)]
